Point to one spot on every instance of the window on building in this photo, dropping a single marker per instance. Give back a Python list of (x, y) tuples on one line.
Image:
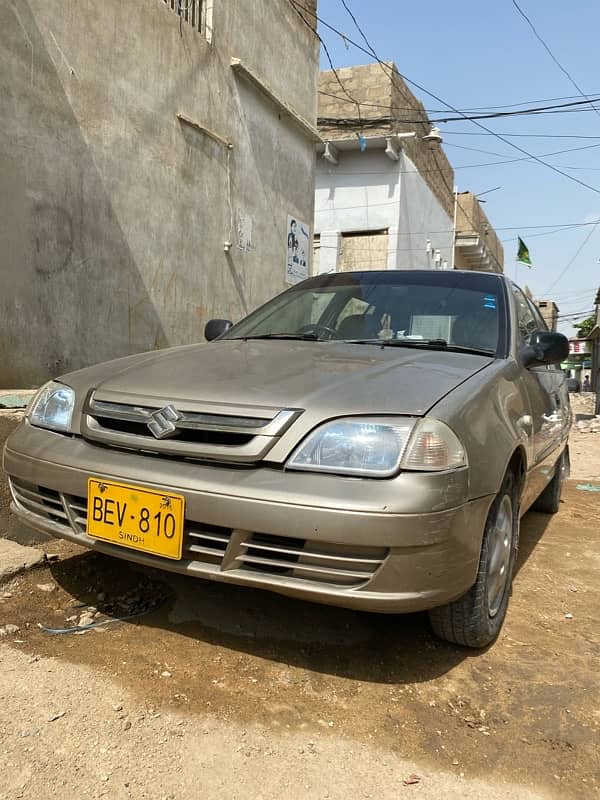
[(363, 250), (192, 12)]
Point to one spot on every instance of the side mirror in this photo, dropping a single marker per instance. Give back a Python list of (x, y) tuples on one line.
[(546, 347), (215, 328)]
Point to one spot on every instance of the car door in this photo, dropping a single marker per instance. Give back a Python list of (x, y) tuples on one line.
[(556, 384), (543, 420)]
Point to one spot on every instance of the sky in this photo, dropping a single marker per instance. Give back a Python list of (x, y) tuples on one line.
[(474, 54)]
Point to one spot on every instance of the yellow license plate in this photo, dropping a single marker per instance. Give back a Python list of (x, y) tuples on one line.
[(140, 519)]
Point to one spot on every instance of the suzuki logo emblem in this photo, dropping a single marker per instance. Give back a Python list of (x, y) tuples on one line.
[(163, 422)]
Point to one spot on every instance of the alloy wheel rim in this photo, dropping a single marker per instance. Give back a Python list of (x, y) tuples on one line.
[(499, 555)]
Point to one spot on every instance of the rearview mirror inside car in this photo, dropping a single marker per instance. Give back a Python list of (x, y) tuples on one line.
[(215, 328), (545, 347)]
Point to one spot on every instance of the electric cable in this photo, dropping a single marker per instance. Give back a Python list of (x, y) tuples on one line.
[(552, 56), (421, 88)]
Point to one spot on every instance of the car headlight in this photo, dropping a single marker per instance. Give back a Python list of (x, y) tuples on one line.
[(379, 447), (52, 407)]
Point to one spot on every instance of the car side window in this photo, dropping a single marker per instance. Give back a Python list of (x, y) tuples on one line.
[(526, 322), (541, 322)]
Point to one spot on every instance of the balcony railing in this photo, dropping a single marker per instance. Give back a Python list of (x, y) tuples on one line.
[(190, 11)]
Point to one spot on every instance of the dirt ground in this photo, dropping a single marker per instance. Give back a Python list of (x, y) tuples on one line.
[(224, 692)]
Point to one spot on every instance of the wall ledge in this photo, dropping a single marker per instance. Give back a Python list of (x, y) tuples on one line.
[(242, 71)]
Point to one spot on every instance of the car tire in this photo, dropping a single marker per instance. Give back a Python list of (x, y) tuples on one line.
[(549, 500), (475, 619)]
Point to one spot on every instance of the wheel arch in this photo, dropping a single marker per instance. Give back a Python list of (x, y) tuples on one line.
[(517, 464)]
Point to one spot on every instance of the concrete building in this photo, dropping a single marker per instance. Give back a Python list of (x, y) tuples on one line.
[(476, 244), (549, 311), (579, 363), (384, 188), (595, 337), (152, 153)]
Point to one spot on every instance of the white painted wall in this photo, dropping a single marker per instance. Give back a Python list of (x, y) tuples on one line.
[(368, 192), (421, 219), (361, 194)]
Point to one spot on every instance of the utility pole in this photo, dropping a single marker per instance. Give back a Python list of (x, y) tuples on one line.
[(453, 254)]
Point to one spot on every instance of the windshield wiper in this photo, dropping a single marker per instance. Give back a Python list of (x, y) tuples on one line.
[(431, 344), (310, 337)]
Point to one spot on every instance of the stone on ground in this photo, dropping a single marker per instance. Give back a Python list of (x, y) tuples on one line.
[(15, 558)]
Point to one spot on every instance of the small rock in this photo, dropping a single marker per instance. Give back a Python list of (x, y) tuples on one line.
[(165, 674), (8, 630), (58, 715), (46, 587), (117, 707), (455, 762), (568, 616), (127, 725)]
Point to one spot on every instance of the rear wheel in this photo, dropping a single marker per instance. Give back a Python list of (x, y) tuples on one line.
[(549, 500), (475, 619)]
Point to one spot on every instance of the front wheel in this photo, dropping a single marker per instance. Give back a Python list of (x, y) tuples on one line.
[(475, 619)]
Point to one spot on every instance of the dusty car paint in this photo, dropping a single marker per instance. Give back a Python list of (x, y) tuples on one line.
[(401, 544)]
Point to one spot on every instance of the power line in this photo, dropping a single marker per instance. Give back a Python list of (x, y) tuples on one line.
[(551, 54), (326, 51), (504, 155), (575, 314), (545, 233), (525, 103), (478, 165), (522, 135), (561, 108), (486, 130), (576, 254), (479, 124), (575, 299), (471, 108), (565, 226)]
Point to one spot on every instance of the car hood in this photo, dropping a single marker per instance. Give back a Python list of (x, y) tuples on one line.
[(326, 378)]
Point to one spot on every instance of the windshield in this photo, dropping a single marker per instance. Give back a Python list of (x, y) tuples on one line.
[(417, 307)]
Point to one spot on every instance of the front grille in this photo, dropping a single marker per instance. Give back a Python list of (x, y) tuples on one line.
[(242, 435), (301, 560), (187, 435), (45, 503), (341, 565), (205, 543)]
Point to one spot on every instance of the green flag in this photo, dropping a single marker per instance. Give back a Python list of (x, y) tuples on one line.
[(523, 253)]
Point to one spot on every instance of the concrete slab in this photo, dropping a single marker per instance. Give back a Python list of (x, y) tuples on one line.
[(15, 398), (15, 558)]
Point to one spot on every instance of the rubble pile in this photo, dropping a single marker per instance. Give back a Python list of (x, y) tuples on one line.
[(583, 402), (589, 425)]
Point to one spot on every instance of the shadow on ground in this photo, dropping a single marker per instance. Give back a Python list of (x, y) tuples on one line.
[(333, 641)]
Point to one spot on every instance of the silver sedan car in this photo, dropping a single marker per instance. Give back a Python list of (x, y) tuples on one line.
[(366, 439)]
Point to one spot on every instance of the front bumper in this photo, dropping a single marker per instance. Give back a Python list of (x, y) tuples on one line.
[(404, 544)]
